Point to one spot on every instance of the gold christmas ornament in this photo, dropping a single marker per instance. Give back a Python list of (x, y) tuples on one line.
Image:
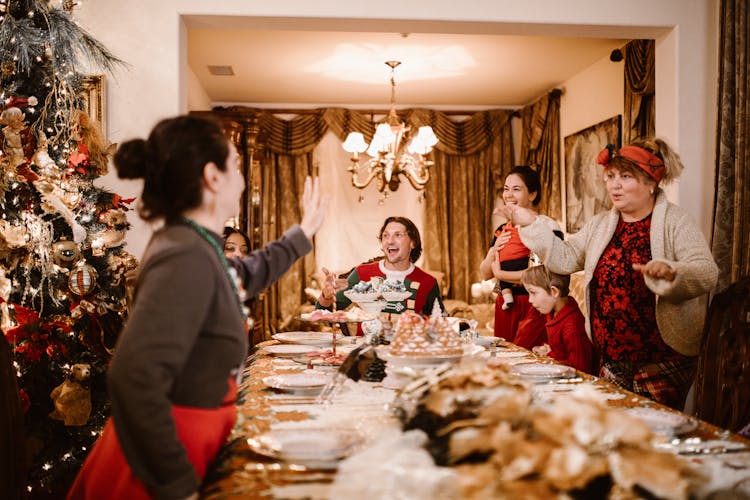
[(82, 279), (14, 236), (65, 253), (116, 231), (5, 284), (8, 68), (72, 398)]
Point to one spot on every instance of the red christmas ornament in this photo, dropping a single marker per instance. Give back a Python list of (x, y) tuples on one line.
[(82, 279)]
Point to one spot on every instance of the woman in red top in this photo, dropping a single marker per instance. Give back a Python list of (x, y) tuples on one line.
[(521, 323)]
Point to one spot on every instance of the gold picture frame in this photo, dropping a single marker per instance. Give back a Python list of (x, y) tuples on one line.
[(585, 192), (93, 97)]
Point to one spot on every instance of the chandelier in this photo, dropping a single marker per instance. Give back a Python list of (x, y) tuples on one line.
[(387, 160)]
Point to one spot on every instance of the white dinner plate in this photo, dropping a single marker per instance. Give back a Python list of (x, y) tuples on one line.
[(307, 338), (309, 446), (288, 350), (663, 421), (543, 372), (297, 383)]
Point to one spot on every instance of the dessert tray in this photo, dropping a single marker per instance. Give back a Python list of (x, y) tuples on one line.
[(306, 338), (395, 296), (364, 292), (297, 383), (310, 447), (662, 421), (288, 350), (385, 354), (543, 372), (352, 315), (361, 296)]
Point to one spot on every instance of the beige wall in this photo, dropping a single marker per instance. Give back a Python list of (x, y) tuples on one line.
[(150, 36), (593, 95)]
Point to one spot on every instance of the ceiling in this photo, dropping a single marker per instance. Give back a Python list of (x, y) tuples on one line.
[(287, 64)]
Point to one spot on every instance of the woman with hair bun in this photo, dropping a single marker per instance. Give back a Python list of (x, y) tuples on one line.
[(647, 272), (173, 377)]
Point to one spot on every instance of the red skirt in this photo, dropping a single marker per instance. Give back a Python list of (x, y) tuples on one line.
[(106, 473), (521, 324)]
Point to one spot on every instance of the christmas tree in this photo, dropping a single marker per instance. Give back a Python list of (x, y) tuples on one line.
[(62, 261)]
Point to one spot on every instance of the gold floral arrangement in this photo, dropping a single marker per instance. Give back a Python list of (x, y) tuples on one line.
[(485, 424)]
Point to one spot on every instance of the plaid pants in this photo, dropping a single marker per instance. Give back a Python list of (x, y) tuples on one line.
[(666, 382)]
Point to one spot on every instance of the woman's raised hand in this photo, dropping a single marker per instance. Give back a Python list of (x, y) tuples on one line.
[(314, 206), (519, 216)]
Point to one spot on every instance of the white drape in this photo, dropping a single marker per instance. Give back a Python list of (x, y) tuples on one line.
[(349, 233)]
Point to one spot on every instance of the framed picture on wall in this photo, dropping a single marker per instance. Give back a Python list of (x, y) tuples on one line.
[(93, 98), (585, 193)]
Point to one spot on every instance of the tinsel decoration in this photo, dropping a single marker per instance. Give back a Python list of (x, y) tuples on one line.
[(63, 297)]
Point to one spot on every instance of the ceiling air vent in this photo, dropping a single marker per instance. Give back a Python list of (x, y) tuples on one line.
[(220, 70)]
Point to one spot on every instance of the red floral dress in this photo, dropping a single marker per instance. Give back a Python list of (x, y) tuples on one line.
[(623, 321)]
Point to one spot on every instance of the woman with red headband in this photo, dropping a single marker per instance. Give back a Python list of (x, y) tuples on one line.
[(647, 271)]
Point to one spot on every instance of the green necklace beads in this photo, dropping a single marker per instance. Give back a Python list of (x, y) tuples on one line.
[(231, 273)]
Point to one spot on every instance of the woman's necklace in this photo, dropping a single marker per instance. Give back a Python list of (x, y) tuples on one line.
[(231, 273)]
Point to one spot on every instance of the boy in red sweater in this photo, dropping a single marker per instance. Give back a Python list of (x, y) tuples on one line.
[(567, 340)]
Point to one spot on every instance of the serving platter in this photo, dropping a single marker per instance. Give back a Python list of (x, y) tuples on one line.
[(306, 338), (384, 353), (396, 296), (543, 372), (311, 447)]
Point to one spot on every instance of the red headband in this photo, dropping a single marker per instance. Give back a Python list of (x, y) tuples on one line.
[(647, 161)]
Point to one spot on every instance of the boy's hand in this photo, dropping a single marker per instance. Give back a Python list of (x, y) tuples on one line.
[(541, 350)]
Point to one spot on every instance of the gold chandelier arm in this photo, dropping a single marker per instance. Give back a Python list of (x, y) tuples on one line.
[(418, 175), (373, 171)]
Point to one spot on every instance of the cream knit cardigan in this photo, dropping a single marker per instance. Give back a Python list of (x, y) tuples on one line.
[(675, 239)]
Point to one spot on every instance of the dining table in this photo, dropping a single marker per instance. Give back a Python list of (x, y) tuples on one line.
[(245, 469)]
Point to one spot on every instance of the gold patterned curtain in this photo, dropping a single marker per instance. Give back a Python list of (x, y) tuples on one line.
[(640, 85), (731, 224), (540, 148), (471, 160)]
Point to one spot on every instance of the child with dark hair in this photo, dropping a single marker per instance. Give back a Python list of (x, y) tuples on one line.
[(567, 341)]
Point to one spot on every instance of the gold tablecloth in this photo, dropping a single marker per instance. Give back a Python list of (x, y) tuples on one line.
[(243, 474)]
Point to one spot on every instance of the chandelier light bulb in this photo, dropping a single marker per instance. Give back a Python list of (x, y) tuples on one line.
[(355, 143)]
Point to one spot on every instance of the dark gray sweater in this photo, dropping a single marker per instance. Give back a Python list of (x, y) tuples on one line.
[(183, 340)]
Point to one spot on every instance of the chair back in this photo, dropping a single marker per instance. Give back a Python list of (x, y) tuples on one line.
[(722, 392), (12, 444)]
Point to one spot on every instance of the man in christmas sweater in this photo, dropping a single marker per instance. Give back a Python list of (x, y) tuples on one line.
[(401, 246)]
